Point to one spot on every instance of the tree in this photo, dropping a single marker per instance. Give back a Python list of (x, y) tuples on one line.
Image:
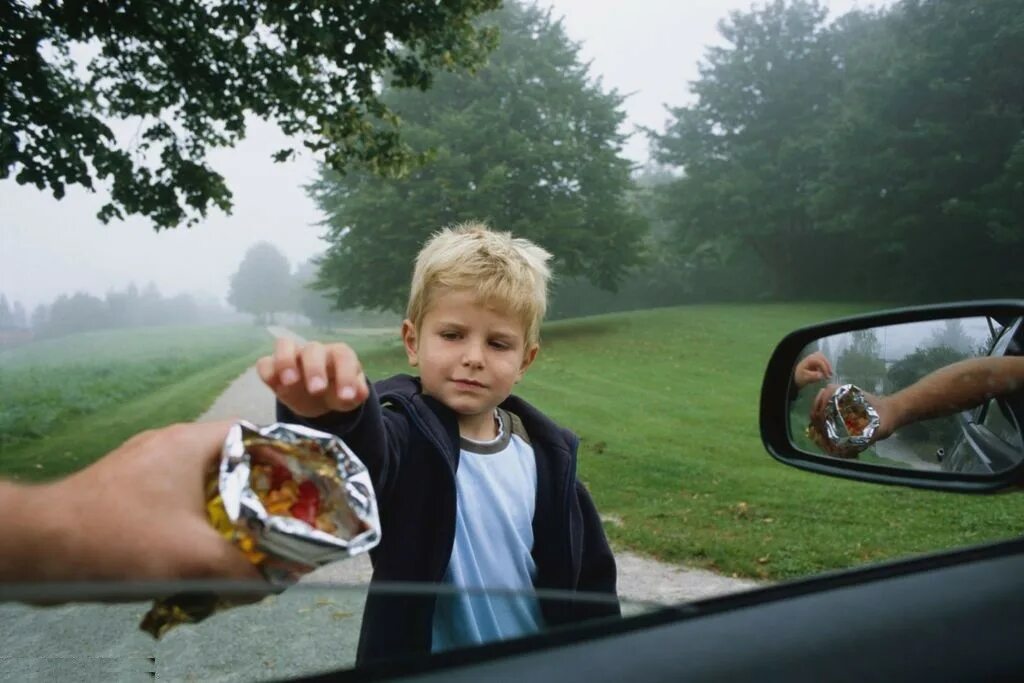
[(79, 312), (910, 369), (40, 318), (123, 307), (6, 315), (750, 146), (312, 303), (952, 335), (187, 74), (262, 285), (861, 362), (18, 316), (925, 158), (880, 157), (529, 145)]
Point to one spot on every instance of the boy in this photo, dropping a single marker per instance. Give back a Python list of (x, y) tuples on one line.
[(477, 489)]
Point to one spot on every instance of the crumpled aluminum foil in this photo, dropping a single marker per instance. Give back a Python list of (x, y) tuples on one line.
[(849, 423), (281, 545), (323, 458)]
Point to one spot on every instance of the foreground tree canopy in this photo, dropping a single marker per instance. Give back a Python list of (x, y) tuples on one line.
[(186, 75), (529, 144)]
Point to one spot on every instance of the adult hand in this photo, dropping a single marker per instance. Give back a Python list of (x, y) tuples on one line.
[(138, 513), (882, 405)]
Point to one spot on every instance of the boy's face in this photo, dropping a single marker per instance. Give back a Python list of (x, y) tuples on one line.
[(470, 356)]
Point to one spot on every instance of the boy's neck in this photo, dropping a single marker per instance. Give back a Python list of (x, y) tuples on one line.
[(482, 427)]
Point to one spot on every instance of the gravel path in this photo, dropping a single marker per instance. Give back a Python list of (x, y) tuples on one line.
[(307, 628)]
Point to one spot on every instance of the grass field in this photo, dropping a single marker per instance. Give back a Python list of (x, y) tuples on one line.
[(67, 401), (665, 403)]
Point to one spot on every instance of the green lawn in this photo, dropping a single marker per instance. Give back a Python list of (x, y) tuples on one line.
[(665, 403), (67, 401)]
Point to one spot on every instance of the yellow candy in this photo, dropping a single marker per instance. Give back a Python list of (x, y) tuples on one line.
[(219, 518)]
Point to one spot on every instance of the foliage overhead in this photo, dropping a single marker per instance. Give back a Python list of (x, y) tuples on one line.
[(186, 75)]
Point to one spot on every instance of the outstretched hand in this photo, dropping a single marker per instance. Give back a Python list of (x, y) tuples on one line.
[(314, 379), (813, 368)]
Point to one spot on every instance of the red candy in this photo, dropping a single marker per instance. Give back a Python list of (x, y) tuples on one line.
[(279, 474), (308, 489), (305, 509)]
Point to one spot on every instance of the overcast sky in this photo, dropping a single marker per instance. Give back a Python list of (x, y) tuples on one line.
[(649, 48)]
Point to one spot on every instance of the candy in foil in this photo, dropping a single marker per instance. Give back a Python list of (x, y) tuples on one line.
[(849, 423), (292, 499)]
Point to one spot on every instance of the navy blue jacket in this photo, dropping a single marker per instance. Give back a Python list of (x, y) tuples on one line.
[(410, 444)]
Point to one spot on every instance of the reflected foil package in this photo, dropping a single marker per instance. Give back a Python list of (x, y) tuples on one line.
[(849, 423), (292, 499)]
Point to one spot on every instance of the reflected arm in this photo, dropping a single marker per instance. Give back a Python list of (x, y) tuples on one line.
[(948, 390)]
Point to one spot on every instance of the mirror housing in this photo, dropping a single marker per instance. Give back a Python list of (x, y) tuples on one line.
[(778, 389)]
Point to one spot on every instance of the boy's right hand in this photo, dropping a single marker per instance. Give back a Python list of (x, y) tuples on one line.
[(314, 379)]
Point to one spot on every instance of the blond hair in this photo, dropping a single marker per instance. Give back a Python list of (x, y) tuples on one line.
[(502, 270)]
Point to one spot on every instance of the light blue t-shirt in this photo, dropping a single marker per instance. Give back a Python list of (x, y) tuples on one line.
[(496, 487)]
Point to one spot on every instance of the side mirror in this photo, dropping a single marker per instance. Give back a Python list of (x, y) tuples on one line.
[(929, 396)]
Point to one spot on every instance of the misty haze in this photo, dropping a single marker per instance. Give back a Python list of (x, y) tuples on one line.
[(708, 176)]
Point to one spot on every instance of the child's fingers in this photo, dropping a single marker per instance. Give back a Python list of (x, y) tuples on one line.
[(265, 369), (362, 388), (347, 373), (314, 367), (286, 361)]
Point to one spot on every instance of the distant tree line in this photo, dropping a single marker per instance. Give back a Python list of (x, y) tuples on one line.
[(265, 285), (12, 315), (129, 307)]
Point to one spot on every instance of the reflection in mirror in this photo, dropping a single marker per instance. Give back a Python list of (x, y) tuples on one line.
[(941, 395)]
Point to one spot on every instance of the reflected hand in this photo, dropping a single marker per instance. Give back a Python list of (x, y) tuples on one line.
[(314, 379), (814, 368)]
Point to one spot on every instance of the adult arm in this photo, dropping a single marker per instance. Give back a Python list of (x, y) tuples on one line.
[(138, 513), (959, 386)]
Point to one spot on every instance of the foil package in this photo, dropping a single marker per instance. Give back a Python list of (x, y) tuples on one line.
[(292, 499), (849, 423)]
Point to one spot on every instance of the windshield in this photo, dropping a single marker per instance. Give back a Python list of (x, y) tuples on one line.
[(527, 263), (309, 628)]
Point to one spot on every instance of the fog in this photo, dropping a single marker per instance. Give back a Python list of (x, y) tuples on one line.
[(648, 49)]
